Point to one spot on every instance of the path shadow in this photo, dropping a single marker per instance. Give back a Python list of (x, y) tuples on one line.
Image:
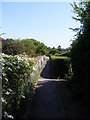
[(46, 72), (73, 108), (45, 102)]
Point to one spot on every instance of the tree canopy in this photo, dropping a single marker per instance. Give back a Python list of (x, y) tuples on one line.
[(30, 47)]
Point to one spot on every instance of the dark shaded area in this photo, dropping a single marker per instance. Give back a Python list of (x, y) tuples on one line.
[(59, 66), (80, 52), (72, 107), (53, 99), (46, 72)]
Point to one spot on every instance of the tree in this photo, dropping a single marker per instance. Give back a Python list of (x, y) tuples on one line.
[(31, 47), (41, 49), (53, 51), (12, 47)]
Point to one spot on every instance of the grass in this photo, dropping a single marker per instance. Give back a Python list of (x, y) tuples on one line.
[(59, 57)]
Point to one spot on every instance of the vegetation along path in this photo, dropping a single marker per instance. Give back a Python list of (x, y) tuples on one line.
[(53, 99), (45, 102)]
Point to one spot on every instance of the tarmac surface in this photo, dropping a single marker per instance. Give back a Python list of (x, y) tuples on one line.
[(45, 102)]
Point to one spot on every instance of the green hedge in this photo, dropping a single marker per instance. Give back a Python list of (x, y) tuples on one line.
[(59, 66), (80, 60), (80, 52), (16, 84)]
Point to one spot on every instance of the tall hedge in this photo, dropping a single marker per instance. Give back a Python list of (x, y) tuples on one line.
[(59, 66), (80, 60), (80, 52)]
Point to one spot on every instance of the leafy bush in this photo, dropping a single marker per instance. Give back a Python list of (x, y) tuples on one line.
[(53, 51), (80, 52), (59, 66), (80, 59), (16, 82)]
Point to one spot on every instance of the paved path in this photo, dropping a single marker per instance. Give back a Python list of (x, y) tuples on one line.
[(45, 102)]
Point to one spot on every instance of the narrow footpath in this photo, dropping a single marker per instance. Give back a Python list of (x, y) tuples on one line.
[(45, 103)]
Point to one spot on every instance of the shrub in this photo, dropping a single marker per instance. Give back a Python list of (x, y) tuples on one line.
[(80, 59), (59, 66), (80, 52), (16, 83)]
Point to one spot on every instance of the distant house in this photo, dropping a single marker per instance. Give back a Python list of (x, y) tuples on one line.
[(63, 50)]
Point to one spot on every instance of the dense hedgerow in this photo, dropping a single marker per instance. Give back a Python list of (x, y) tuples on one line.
[(16, 82), (80, 52), (59, 66), (80, 58), (31, 47)]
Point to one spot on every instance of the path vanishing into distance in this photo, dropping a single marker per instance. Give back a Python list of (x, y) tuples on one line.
[(45, 102)]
